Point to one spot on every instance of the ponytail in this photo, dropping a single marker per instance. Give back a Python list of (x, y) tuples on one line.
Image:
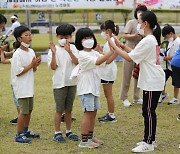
[(116, 32), (157, 33)]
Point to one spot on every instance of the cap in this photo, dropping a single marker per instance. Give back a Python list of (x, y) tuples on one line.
[(13, 17)]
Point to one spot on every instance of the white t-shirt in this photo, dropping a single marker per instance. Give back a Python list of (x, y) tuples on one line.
[(64, 67), (88, 79), (151, 75), (23, 85), (173, 46), (11, 30), (109, 71)]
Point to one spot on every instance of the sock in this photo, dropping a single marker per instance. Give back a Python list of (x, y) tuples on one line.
[(90, 135), (57, 132), (84, 137), (68, 131), (25, 129), (20, 133), (112, 115)]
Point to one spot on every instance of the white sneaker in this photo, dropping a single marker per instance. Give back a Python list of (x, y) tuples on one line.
[(173, 101), (154, 143), (143, 148), (139, 101), (163, 97), (126, 103)]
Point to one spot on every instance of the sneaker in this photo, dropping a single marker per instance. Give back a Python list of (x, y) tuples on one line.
[(126, 103), (30, 134), (154, 143), (102, 117), (59, 138), (143, 148), (21, 138), (72, 136), (163, 97), (14, 121), (139, 101), (173, 101), (178, 118), (108, 118), (95, 140), (89, 144), (63, 118)]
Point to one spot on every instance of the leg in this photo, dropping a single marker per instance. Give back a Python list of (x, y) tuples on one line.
[(150, 101), (126, 78), (68, 120), (176, 92), (136, 90), (109, 97), (57, 121)]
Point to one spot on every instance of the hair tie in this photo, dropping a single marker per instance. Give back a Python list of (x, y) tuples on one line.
[(155, 27)]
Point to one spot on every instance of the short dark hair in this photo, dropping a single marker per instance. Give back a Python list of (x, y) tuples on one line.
[(16, 44), (65, 29), (15, 15), (140, 7), (167, 30), (3, 19), (19, 30), (81, 34)]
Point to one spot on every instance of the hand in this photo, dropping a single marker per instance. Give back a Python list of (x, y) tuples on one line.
[(52, 47), (111, 43), (67, 46), (99, 48), (38, 60), (3, 48)]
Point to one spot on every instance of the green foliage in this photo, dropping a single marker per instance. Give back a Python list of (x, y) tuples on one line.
[(35, 31)]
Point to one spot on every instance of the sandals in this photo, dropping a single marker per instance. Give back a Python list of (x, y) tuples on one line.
[(72, 136)]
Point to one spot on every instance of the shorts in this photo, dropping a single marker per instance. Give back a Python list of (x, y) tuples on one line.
[(64, 98), (14, 98), (26, 105), (106, 82), (89, 102), (176, 76), (168, 73)]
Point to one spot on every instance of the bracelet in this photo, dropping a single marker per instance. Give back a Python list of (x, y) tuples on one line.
[(122, 46)]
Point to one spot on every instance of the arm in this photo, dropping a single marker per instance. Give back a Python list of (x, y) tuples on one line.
[(73, 57), (131, 37), (99, 49), (114, 47), (3, 59), (166, 58), (53, 63), (115, 54), (103, 58)]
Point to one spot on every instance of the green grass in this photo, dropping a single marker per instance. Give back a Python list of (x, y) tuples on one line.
[(119, 138)]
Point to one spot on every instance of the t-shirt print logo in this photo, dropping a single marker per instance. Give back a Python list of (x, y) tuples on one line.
[(157, 55)]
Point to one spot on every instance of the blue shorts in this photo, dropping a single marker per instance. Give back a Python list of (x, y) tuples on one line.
[(89, 102)]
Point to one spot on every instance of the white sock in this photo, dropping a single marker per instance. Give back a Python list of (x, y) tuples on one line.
[(112, 115), (68, 131), (58, 132)]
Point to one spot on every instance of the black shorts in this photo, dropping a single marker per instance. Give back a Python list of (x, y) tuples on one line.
[(106, 82), (176, 76), (168, 73)]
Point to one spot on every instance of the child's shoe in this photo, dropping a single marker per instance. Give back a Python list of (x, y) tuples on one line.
[(31, 134), (154, 143), (21, 138), (72, 136), (95, 140), (143, 148), (59, 138), (89, 144)]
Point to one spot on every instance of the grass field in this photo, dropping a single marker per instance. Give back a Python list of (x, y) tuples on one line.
[(119, 138)]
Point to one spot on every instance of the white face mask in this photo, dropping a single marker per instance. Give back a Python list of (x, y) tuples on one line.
[(103, 34), (140, 30), (170, 39), (25, 45), (62, 42), (89, 43)]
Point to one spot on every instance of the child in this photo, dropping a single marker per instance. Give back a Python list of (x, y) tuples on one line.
[(169, 34), (89, 84), (23, 65), (62, 59), (8, 61), (151, 76), (108, 72)]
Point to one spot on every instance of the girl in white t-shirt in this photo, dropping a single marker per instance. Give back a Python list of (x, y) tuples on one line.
[(108, 72), (151, 76), (89, 83)]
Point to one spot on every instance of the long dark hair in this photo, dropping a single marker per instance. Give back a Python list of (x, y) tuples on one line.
[(151, 18)]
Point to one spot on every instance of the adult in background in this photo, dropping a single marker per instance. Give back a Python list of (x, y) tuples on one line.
[(132, 38)]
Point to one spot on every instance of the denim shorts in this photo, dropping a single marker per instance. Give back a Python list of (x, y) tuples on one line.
[(89, 102)]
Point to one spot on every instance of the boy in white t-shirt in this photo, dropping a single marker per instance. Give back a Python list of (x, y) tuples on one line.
[(62, 59), (169, 34), (23, 65)]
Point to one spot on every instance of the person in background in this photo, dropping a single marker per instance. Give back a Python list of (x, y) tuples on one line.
[(132, 38), (16, 45), (151, 75), (108, 73), (169, 34)]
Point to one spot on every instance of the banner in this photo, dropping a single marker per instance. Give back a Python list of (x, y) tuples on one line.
[(87, 4)]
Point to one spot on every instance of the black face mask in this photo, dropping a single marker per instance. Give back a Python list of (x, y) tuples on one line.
[(12, 21)]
